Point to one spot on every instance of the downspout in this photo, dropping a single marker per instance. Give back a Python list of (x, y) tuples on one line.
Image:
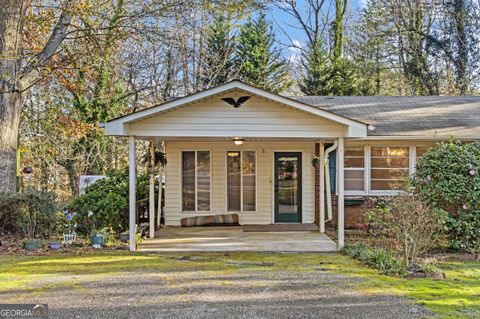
[(327, 181)]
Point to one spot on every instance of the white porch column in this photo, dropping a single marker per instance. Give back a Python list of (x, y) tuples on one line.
[(151, 199), (341, 194), (160, 186), (132, 190), (322, 187)]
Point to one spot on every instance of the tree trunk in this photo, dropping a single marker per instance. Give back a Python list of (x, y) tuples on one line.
[(338, 35), (11, 27), (11, 104), (14, 82), (462, 43)]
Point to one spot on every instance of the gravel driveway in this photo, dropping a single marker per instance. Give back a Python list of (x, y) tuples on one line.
[(246, 292)]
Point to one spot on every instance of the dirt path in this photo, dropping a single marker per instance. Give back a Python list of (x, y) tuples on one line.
[(247, 292)]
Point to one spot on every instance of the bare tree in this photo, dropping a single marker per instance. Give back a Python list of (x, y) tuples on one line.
[(18, 76)]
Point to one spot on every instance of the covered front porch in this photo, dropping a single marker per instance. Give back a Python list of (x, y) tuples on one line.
[(233, 238), (308, 200), (254, 160)]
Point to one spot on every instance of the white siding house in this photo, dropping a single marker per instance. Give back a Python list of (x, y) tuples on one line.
[(255, 159)]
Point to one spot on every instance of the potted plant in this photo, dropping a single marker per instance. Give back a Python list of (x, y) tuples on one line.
[(97, 238), (97, 235), (55, 245), (31, 244)]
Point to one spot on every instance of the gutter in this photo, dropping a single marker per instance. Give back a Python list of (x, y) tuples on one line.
[(327, 181)]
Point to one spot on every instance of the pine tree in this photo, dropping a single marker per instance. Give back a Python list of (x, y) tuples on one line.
[(219, 65), (315, 64), (259, 61), (343, 78), (325, 76)]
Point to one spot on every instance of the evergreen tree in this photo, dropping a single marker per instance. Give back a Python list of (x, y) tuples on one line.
[(343, 77), (374, 54), (315, 64), (219, 65), (259, 61), (325, 76)]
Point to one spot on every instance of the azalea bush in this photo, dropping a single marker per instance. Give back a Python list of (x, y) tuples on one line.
[(464, 231), (105, 203), (29, 214), (448, 178)]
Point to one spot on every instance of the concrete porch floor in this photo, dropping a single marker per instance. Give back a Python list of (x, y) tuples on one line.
[(223, 239)]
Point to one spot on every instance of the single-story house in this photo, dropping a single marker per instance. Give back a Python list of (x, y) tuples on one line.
[(239, 149)]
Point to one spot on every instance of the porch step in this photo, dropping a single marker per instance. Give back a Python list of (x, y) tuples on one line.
[(280, 227)]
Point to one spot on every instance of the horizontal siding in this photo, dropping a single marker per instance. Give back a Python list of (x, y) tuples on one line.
[(256, 118), (265, 151)]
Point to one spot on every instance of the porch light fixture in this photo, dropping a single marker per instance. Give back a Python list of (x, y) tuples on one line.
[(238, 141)]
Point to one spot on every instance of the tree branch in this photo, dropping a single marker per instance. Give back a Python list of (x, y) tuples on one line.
[(31, 73)]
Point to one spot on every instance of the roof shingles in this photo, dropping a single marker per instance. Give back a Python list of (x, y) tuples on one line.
[(409, 116)]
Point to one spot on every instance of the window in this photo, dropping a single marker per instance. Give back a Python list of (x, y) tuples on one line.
[(196, 181), (354, 169), (420, 151), (241, 181), (389, 167)]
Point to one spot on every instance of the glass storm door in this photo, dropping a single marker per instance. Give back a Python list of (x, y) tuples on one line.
[(288, 187)]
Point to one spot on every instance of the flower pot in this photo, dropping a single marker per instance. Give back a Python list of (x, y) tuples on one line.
[(55, 245), (32, 245), (124, 237), (97, 240)]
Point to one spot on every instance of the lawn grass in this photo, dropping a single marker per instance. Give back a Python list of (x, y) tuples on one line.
[(456, 297)]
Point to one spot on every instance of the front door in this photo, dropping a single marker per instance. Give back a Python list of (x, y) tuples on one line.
[(288, 187)]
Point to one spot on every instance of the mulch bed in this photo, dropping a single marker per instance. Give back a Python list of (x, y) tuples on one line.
[(354, 236), (13, 246)]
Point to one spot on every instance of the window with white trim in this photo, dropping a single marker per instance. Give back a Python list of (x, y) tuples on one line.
[(196, 181), (241, 181), (389, 167), (354, 163), (420, 151)]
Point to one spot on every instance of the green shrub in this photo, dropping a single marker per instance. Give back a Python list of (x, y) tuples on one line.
[(411, 222), (465, 231), (385, 260), (448, 176), (30, 213), (105, 203)]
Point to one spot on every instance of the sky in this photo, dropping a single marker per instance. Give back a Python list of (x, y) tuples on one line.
[(282, 23)]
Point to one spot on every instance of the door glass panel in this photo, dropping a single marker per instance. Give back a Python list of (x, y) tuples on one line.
[(233, 181), (288, 198), (203, 181)]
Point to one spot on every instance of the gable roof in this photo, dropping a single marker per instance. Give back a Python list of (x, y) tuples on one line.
[(118, 126), (408, 116)]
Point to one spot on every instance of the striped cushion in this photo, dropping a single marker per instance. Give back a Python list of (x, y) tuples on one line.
[(229, 219)]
